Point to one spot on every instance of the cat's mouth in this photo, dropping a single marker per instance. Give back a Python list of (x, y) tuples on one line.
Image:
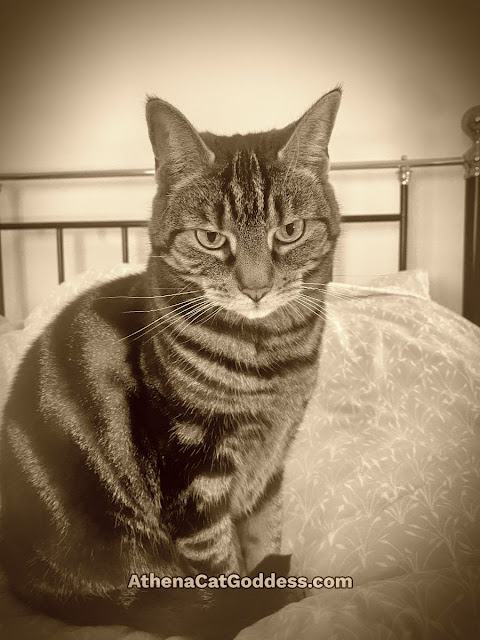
[(257, 310), (244, 306)]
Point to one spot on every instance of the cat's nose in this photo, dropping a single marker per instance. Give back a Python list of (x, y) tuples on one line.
[(256, 294)]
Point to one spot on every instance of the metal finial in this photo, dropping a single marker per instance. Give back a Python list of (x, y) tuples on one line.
[(404, 171), (471, 126)]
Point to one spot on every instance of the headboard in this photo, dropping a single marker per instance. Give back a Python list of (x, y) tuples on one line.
[(470, 161)]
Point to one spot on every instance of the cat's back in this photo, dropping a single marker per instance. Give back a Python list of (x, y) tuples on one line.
[(68, 462), (72, 388), (90, 332)]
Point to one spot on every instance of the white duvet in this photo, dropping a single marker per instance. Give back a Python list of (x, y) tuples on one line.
[(383, 483)]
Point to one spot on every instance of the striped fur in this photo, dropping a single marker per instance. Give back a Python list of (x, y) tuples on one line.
[(148, 426)]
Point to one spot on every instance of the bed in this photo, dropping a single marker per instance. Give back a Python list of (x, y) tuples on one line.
[(383, 482)]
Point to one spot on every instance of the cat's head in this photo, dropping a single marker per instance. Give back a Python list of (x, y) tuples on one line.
[(245, 219)]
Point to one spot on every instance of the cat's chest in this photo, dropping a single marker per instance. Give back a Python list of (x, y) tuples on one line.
[(260, 451), (240, 405), (223, 374)]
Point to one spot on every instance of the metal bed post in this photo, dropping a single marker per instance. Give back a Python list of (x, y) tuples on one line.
[(125, 243), (60, 256), (2, 301), (404, 175), (471, 255)]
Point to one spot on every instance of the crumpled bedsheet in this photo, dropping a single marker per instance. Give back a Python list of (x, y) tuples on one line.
[(382, 484)]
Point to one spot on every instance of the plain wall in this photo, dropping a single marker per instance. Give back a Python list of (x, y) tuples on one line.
[(74, 76)]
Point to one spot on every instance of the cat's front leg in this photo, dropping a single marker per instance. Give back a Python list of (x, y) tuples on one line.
[(260, 534), (260, 530), (213, 549), (205, 535)]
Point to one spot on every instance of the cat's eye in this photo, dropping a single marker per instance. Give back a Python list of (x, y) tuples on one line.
[(291, 232), (210, 239)]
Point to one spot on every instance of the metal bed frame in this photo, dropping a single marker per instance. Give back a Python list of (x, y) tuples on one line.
[(471, 162)]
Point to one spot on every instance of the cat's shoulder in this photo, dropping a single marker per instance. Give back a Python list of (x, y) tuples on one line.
[(110, 307), (97, 323), (86, 341)]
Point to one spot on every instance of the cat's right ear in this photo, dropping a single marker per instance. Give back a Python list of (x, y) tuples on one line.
[(307, 146), (178, 149)]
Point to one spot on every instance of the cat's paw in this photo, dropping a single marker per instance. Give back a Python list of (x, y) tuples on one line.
[(294, 595), (273, 563), (277, 598)]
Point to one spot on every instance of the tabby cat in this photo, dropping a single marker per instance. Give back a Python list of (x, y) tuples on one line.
[(147, 428)]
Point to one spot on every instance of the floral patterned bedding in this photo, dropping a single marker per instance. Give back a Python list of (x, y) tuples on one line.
[(383, 483)]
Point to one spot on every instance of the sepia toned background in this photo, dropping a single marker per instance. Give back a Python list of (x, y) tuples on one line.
[(74, 76)]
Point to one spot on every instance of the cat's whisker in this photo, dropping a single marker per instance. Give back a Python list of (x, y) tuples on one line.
[(362, 275), (357, 296), (179, 293), (311, 311), (328, 285), (316, 306), (166, 295), (214, 308), (298, 313), (317, 310), (145, 329), (166, 323), (189, 320), (217, 312), (139, 331), (300, 309), (205, 309), (333, 294), (323, 290), (210, 314), (321, 312), (330, 295), (189, 314), (333, 318), (320, 303), (192, 312), (164, 308)]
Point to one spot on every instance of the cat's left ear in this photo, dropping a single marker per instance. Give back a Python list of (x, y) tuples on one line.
[(308, 144), (176, 145)]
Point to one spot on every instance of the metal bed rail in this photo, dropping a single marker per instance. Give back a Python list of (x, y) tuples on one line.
[(138, 173), (123, 225)]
